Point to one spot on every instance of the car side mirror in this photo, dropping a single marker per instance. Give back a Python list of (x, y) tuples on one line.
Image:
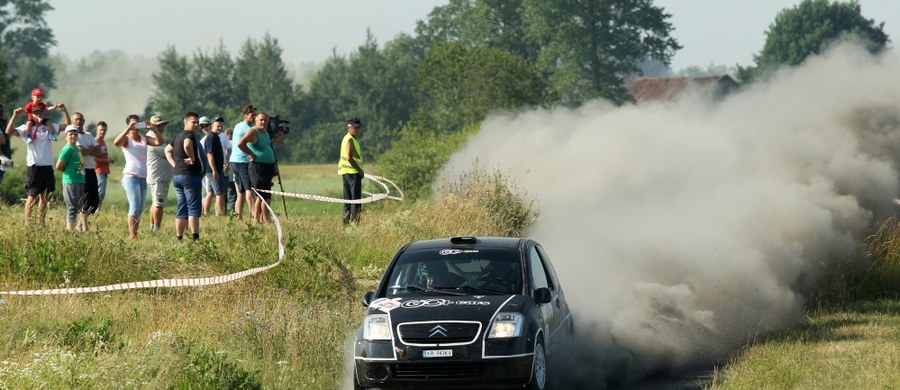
[(542, 295), (367, 298)]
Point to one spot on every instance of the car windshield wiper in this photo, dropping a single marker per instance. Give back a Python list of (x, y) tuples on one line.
[(439, 290), (470, 288)]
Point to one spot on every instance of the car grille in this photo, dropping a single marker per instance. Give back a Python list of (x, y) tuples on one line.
[(446, 370), (433, 333)]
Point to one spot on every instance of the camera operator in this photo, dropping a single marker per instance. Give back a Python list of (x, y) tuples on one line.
[(257, 144)]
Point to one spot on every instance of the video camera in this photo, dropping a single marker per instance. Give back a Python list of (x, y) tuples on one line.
[(277, 124)]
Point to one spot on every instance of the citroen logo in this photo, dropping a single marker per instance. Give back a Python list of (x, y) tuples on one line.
[(438, 330)]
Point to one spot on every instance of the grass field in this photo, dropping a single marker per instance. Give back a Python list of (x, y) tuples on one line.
[(285, 328), (289, 327)]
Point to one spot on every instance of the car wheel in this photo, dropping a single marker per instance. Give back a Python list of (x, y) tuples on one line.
[(539, 367)]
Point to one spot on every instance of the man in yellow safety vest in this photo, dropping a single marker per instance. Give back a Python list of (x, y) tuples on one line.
[(351, 171)]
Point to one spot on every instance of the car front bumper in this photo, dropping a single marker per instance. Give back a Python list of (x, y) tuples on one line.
[(446, 374)]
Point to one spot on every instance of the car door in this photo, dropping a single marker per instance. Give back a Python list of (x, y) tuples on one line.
[(540, 279)]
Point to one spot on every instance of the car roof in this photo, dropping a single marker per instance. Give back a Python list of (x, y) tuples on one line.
[(466, 242)]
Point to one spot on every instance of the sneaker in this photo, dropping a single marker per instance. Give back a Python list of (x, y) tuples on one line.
[(28, 139), (51, 136)]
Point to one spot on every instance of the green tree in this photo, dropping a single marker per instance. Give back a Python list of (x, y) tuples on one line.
[(214, 79), (807, 29), (589, 48), (491, 23), (461, 85), (174, 89), (376, 85), (262, 77), (25, 42), (414, 161), (8, 90)]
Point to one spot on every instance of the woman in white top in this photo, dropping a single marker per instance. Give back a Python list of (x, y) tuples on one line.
[(134, 175)]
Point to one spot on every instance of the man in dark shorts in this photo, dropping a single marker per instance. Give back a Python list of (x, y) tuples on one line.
[(257, 144), (40, 179), (240, 165)]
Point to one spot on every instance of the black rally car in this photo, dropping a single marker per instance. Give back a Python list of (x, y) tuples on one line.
[(466, 312)]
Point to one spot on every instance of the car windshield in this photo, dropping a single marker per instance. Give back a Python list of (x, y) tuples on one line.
[(470, 271)]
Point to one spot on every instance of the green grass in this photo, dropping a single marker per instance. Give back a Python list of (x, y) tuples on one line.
[(850, 339), (851, 347), (285, 328)]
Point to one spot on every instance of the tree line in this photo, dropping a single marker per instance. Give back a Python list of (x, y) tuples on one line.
[(420, 94)]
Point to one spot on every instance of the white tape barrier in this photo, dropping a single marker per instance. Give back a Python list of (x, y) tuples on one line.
[(371, 198), (179, 282)]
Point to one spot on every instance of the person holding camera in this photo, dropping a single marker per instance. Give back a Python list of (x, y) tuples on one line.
[(257, 144), (134, 174), (351, 171)]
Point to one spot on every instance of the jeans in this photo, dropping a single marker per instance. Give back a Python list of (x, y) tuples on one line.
[(101, 185), (352, 191), (188, 195), (136, 191)]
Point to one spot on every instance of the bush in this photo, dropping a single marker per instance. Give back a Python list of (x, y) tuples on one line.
[(415, 160), (493, 201)]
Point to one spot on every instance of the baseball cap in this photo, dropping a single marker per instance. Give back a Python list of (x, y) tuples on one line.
[(218, 119), (71, 128), (157, 120), (204, 120), (37, 92)]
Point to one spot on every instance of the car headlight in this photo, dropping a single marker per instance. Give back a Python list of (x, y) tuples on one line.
[(506, 325), (377, 327)]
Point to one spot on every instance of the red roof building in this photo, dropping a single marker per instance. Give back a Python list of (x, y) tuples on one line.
[(665, 88)]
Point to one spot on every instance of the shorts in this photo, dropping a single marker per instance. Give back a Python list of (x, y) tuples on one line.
[(241, 175), (39, 179), (159, 192), (188, 195), (214, 186), (261, 175)]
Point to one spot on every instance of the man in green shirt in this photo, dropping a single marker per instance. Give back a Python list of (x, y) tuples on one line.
[(72, 166)]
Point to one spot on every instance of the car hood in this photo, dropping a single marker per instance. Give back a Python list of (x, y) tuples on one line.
[(437, 308)]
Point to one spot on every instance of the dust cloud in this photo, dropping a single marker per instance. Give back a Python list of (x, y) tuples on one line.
[(685, 229), (105, 86)]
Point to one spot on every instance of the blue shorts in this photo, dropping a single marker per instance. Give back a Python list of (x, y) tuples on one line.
[(241, 175), (216, 187), (188, 195)]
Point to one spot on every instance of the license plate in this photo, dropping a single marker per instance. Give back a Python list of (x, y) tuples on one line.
[(437, 353)]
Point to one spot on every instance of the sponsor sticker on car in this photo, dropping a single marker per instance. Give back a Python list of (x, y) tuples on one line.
[(437, 353)]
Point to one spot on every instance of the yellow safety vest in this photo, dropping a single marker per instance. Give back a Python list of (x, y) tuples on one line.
[(344, 166)]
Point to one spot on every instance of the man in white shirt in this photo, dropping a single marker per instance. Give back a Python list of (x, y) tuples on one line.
[(90, 149), (159, 174), (40, 179)]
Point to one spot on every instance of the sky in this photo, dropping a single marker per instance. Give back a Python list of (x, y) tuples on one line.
[(721, 32)]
